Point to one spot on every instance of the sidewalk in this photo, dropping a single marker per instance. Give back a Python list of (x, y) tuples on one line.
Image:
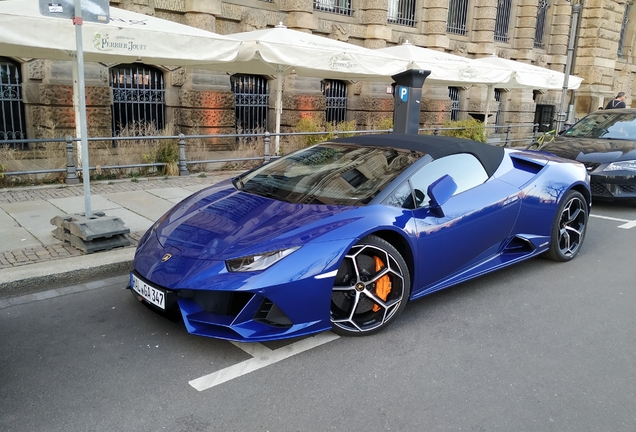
[(32, 260)]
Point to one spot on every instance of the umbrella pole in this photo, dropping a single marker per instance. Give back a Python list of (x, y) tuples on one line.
[(77, 21), (279, 108)]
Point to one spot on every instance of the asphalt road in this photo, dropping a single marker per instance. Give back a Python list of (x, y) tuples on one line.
[(541, 346)]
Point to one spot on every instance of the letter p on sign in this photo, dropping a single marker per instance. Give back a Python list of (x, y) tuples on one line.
[(404, 93)]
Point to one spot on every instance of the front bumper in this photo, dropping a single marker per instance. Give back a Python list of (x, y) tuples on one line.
[(613, 187), (242, 316)]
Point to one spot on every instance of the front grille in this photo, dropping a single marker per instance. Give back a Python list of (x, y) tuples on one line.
[(599, 189), (220, 302), (269, 313)]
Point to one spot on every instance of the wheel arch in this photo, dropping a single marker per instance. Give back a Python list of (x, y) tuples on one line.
[(585, 192), (399, 242)]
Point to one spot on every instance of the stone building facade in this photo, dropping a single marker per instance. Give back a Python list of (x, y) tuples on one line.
[(203, 101)]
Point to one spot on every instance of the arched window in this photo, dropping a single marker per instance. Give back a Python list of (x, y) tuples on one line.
[(457, 15), (540, 28), (336, 94), (401, 12), (498, 119), (340, 7), (251, 103), (138, 98), (502, 20), (621, 40), (453, 94), (11, 105)]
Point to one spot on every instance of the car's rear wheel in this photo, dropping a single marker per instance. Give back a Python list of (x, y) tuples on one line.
[(568, 229), (371, 288)]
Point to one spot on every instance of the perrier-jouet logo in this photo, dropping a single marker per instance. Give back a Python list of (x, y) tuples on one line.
[(102, 42)]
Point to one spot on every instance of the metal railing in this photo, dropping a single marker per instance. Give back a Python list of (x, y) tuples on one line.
[(513, 135)]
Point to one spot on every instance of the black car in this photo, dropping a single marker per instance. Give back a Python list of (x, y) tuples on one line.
[(605, 142)]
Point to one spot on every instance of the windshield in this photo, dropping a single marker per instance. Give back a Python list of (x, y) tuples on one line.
[(605, 124), (336, 174)]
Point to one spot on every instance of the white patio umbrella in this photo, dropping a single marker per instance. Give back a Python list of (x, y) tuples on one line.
[(127, 37), (281, 51), (525, 75), (448, 69)]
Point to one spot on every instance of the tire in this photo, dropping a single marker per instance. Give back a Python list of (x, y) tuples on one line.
[(536, 145), (371, 288), (568, 229)]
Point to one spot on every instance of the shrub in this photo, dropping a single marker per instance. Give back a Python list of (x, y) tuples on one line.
[(470, 129)]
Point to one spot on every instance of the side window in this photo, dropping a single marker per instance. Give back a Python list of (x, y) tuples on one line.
[(464, 168)]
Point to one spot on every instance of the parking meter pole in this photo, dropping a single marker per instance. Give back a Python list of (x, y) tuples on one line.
[(407, 95)]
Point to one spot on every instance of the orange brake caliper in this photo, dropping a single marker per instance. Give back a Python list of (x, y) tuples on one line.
[(383, 285)]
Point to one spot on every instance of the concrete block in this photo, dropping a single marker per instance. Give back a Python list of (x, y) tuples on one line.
[(99, 226)]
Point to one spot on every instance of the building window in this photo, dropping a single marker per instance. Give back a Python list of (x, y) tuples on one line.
[(453, 94), (336, 94), (497, 121), (540, 29), (402, 12), (251, 103), (502, 21), (138, 99), (11, 105), (340, 7), (621, 40), (457, 14)]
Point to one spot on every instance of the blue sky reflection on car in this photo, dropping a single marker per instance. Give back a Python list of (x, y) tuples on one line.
[(343, 234)]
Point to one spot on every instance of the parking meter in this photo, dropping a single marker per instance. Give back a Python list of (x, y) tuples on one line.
[(407, 93)]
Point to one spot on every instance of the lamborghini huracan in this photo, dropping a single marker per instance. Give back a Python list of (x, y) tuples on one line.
[(341, 235)]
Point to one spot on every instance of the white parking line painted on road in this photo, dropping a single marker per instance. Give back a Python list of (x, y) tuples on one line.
[(627, 225), (609, 218), (263, 356)]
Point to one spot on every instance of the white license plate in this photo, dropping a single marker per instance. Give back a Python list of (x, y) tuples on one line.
[(151, 294)]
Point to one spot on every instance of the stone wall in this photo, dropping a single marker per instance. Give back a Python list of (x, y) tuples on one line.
[(202, 102)]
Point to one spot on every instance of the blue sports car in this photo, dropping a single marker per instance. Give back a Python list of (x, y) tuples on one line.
[(341, 235)]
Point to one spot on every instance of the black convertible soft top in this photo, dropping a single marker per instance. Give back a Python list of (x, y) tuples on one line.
[(436, 146)]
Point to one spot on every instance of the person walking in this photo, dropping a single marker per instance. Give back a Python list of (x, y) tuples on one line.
[(617, 102)]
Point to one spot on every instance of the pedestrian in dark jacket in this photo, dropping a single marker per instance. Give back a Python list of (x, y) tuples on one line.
[(617, 102)]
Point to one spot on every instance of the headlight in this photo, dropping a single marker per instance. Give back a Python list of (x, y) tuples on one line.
[(259, 261), (629, 165)]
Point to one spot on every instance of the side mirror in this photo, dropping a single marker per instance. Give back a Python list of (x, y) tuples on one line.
[(440, 191)]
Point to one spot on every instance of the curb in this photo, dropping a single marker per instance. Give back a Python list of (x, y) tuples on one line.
[(44, 276)]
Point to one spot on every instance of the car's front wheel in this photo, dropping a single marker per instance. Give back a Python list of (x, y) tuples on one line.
[(371, 288), (568, 229)]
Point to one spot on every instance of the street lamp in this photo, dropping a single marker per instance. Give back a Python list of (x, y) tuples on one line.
[(562, 114)]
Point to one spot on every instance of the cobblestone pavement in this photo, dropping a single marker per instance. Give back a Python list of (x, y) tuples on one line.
[(44, 253)]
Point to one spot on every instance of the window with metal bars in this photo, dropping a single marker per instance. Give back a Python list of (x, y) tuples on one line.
[(497, 121), (251, 103), (621, 39), (402, 12), (340, 7), (540, 28), (502, 20), (453, 94), (138, 99), (11, 105), (336, 94), (457, 17)]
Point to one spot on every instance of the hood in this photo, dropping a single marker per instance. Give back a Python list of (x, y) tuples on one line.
[(593, 150), (217, 224)]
